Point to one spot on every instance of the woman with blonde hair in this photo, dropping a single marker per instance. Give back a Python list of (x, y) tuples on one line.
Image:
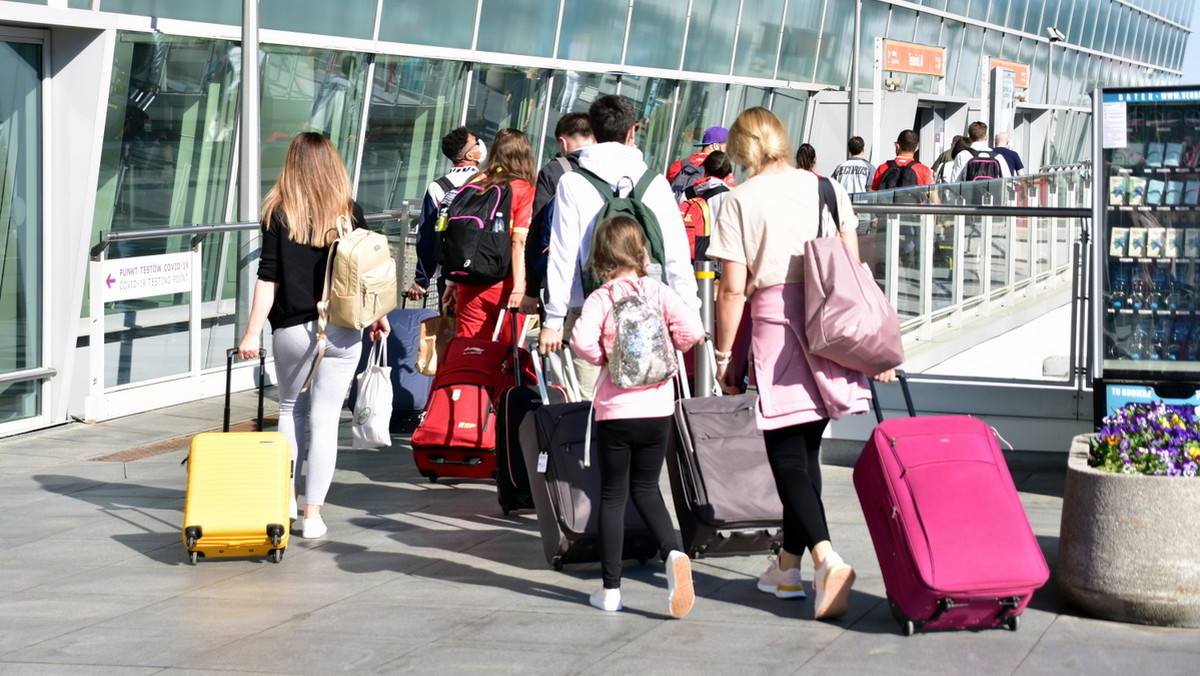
[(759, 238), (509, 163), (299, 223)]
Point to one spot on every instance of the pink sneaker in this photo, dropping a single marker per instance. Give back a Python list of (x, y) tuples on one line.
[(784, 584)]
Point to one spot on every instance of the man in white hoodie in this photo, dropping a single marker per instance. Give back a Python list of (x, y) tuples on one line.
[(614, 159)]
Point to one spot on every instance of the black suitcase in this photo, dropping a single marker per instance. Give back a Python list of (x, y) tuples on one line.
[(512, 407), (722, 485), (566, 494)]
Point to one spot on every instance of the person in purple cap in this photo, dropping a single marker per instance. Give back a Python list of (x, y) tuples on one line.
[(685, 173)]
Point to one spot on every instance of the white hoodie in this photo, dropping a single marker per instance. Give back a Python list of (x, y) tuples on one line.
[(576, 204)]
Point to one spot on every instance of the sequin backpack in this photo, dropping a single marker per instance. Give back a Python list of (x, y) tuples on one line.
[(642, 353)]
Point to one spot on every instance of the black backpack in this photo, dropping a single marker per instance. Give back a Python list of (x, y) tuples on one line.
[(898, 176), (982, 166), (474, 234)]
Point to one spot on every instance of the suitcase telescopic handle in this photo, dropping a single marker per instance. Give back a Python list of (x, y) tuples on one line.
[(262, 384), (908, 400)]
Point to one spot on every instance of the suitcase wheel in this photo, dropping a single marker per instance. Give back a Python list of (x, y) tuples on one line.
[(194, 557), (275, 533), (1012, 623), (275, 555), (193, 534), (907, 625), (429, 474), (557, 563)]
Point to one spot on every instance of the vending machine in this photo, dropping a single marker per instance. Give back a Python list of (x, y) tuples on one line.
[(1146, 235)]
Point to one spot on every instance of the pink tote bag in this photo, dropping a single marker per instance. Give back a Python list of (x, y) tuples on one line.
[(848, 320)]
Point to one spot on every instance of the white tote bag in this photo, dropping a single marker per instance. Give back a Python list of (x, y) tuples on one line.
[(373, 407)]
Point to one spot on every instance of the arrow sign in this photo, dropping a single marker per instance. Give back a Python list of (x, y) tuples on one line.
[(146, 276), (110, 281)]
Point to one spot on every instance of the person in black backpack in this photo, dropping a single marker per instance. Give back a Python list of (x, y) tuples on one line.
[(466, 151), (490, 273), (574, 133), (905, 172), (979, 161), (687, 172)]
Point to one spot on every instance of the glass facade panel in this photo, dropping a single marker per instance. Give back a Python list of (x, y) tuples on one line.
[(21, 219), (168, 148), (519, 26), (596, 27), (567, 96), (350, 18), (958, 6), (701, 105), (78, 4), (652, 98), (709, 46), (656, 33), (874, 22), (414, 103), (797, 56), (966, 81), (420, 22), (210, 11), (758, 38), (902, 26), (306, 89), (978, 9), (837, 29), (509, 97)]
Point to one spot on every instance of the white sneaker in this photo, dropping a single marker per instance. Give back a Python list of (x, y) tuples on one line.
[(680, 592), (784, 584), (608, 600), (314, 527)]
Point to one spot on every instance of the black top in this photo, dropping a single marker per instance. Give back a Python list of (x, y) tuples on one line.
[(297, 268)]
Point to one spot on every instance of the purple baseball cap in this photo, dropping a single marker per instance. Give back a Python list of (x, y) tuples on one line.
[(714, 135)]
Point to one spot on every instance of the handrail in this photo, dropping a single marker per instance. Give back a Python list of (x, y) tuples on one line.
[(970, 210), (199, 232), (27, 374)]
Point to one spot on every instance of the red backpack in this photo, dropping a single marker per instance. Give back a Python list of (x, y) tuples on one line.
[(697, 220)]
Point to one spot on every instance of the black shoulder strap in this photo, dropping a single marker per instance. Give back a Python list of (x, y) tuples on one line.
[(827, 198), (974, 153), (706, 194), (446, 183)]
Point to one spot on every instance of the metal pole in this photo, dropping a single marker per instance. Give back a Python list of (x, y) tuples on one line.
[(852, 119), (705, 277), (250, 164)]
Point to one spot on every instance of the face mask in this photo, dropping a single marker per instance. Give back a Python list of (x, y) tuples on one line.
[(482, 151)]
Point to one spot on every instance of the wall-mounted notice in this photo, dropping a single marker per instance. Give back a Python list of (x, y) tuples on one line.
[(143, 276), (1115, 131)]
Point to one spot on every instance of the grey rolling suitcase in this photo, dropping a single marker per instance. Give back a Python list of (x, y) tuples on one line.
[(566, 495), (723, 487)]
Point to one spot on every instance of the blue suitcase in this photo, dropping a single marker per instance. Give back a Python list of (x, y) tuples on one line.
[(410, 389)]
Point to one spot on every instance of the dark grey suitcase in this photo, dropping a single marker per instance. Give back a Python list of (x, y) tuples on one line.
[(724, 491), (566, 495)]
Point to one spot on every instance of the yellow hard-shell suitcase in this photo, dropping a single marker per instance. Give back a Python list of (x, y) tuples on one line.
[(239, 485)]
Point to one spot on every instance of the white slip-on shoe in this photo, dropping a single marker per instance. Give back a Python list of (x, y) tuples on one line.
[(680, 592), (314, 527), (832, 582), (608, 600)]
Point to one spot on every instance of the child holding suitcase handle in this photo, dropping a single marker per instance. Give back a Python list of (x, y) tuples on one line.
[(633, 425)]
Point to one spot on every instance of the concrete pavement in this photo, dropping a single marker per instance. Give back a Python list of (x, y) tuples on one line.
[(415, 577)]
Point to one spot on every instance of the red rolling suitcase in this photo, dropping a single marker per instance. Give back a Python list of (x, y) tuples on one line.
[(457, 434), (953, 541)]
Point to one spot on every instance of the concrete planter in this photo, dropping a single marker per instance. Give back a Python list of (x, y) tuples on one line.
[(1129, 545)]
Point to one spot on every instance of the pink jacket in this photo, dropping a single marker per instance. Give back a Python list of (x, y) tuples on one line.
[(592, 338)]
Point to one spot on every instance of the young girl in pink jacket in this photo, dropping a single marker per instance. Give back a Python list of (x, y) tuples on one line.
[(633, 426)]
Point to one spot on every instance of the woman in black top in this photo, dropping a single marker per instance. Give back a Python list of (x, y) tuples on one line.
[(299, 224)]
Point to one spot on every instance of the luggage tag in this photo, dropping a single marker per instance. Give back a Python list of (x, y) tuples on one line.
[(543, 461)]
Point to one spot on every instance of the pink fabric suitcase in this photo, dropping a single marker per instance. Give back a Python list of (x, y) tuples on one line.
[(953, 541)]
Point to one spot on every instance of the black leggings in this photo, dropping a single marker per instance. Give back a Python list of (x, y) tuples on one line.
[(794, 453), (631, 454)]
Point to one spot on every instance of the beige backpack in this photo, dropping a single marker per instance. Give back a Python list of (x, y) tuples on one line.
[(360, 284), (361, 287)]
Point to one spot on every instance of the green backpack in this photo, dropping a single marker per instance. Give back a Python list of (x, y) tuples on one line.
[(633, 207)]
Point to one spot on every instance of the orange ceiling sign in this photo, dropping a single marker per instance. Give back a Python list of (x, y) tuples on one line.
[(904, 57), (1021, 69)]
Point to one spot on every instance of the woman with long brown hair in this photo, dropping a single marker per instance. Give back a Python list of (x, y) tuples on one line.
[(509, 163), (299, 223)]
